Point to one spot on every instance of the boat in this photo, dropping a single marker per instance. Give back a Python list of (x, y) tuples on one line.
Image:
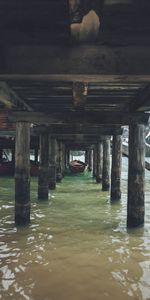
[(7, 168), (77, 166)]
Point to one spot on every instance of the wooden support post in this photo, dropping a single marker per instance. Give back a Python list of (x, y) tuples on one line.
[(99, 163), (90, 161), (1, 155), (52, 163), (67, 157), (22, 173), (116, 167), (136, 174), (94, 161), (87, 157), (36, 153), (63, 159), (106, 165), (59, 175), (43, 179)]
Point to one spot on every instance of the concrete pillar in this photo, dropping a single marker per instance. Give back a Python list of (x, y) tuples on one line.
[(43, 179), (106, 165), (136, 176), (22, 173), (116, 167)]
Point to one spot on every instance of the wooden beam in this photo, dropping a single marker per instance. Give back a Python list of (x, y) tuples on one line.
[(109, 118), (98, 78), (20, 103), (78, 137), (84, 59), (5, 96), (142, 101), (79, 129), (11, 99)]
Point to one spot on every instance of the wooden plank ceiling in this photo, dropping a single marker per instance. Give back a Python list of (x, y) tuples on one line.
[(93, 98), (55, 93)]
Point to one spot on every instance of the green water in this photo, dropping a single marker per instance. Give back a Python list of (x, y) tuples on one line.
[(77, 246)]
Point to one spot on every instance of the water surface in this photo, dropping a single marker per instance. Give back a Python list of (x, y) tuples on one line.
[(77, 246)]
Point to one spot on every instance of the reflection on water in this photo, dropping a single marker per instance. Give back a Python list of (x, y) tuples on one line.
[(76, 247)]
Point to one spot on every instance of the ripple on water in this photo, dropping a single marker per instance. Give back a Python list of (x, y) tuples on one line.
[(76, 247)]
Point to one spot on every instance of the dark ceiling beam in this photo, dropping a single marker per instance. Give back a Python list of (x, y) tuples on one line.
[(79, 129), (79, 137), (20, 103), (142, 100), (5, 97), (70, 78), (84, 59), (10, 99), (106, 118)]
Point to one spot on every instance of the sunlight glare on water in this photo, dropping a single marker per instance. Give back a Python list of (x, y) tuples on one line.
[(77, 246)]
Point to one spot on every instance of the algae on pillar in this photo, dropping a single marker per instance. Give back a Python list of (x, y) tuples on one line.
[(22, 173), (136, 176)]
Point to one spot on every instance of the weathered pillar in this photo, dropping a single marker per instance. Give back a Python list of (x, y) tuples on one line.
[(87, 157), (1, 154), (22, 173), (13, 155), (63, 158), (90, 161), (43, 179), (94, 161), (52, 163), (67, 157), (99, 162), (136, 174), (36, 152), (59, 175), (116, 167), (106, 165)]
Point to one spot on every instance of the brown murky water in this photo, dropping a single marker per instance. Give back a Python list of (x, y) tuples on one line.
[(77, 246)]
